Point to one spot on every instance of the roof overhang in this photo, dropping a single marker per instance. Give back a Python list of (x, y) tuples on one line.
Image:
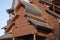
[(31, 8), (40, 23), (4, 27), (6, 36), (10, 10)]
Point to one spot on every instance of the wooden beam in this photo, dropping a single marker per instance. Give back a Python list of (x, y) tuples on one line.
[(42, 34), (34, 38), (13, 38)]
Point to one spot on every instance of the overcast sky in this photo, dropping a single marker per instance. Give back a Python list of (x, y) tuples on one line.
[(4, 4)]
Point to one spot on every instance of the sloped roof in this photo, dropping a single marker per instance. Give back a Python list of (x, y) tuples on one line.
[(31, 8), (40, 23), (14, 4), (4, 27), (6, 36)]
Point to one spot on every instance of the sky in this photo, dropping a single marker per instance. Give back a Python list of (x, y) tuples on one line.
[(4, 4)]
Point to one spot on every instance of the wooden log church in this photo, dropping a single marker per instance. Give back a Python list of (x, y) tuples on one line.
[(33, 20)]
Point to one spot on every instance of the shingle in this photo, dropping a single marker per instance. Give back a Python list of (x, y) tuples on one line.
[(6, 36), (40, 23), (31, 8)]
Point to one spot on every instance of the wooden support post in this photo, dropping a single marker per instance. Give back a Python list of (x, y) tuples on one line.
[(53, 8), (34, 38), (13, 38)]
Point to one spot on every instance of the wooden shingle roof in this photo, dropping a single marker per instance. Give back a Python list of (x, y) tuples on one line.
[(5, 36), (31, 8)]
